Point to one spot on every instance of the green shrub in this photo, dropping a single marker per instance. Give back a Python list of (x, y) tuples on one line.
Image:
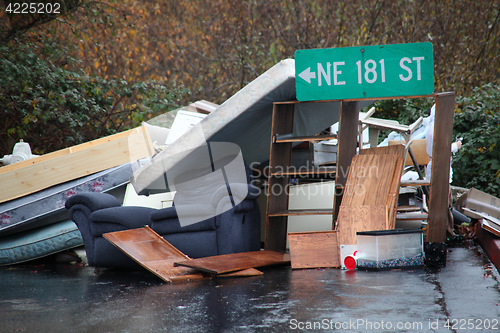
[(477, 120), (53, 108)]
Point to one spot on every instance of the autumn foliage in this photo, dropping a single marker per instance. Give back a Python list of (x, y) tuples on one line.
[(121, 58), (216, 47)]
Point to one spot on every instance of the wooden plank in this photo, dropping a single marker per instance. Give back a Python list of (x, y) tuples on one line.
[(409, 209), (385, 124), (279, 160), (154, 253), (412, 216), (306, 138), (32, 175), (419, 182), (320, 170), (236, 261), (353, 219), (318, 249), (471, 213), (298, 212), (440, 174), (346, 149)]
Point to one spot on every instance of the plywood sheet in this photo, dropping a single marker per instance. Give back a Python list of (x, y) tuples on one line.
[(397, 149), (154, 253), (353, 219), (373, 181), (236, 261), (32, 175), (318, 249), (369, 181)]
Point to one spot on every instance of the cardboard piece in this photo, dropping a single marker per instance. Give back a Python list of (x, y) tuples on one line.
[(479, 201)]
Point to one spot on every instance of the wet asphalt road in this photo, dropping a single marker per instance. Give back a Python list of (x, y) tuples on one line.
[(70, 298)]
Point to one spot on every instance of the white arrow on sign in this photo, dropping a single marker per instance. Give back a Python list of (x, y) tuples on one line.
[(307, 75)]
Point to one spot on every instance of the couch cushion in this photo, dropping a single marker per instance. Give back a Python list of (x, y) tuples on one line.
[(166, 221), (195, 245), (172, 226)]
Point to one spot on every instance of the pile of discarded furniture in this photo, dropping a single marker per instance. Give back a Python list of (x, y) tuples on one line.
[(212, 227)]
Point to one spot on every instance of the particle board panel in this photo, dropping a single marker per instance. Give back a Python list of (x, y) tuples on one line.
[(315, 249), (154, 253), (32, 175), (353, 219), (233, 262)]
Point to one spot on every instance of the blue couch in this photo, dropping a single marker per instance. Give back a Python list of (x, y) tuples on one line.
[(235, 229)]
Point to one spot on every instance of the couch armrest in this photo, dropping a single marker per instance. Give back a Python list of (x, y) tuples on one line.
[(93, 200), (119, 218)]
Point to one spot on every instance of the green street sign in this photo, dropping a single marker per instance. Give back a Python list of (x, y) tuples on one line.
[(364, 72)]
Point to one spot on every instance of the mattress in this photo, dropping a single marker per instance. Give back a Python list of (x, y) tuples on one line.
[(244, 119), (47, 206), (39, 242)]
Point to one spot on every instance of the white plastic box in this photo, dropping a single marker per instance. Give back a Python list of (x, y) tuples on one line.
[(388, 249)]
